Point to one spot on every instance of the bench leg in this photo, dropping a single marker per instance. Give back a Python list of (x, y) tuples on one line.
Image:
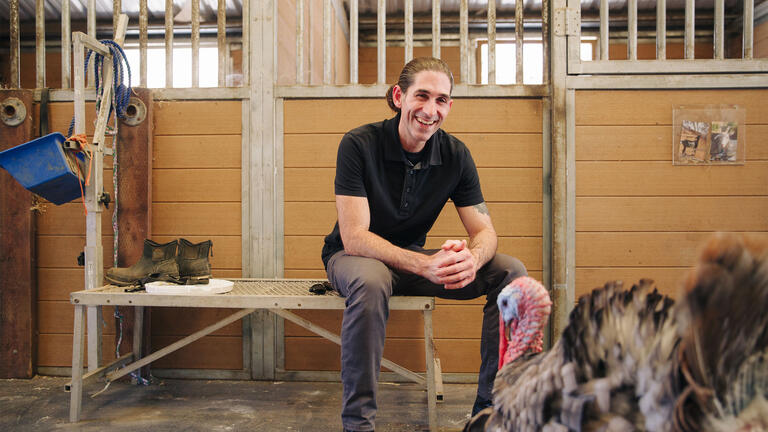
[(78, 342), (138, 333), (429, 349)]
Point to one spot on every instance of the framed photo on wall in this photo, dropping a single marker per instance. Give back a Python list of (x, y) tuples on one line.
[(708, 134)]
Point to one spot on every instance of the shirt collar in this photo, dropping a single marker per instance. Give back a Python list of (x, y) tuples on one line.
[(393, 149)]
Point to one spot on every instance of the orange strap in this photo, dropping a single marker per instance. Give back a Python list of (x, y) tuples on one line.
[(84, 148)]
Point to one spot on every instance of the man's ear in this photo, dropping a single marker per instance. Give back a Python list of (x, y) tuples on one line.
[(397, 96)]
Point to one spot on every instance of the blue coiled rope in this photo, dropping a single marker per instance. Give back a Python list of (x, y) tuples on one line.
[(121, 93)]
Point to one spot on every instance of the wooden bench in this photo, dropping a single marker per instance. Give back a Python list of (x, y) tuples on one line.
[(275, 295)]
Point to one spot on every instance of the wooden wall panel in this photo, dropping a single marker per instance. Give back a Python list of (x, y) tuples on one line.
[(209, 352), (216, 117), (55, 350), (761, 40), (668, 279), (685, 213), (196, 190), (648, 143), (509, 159), (197, 151), (395, 59), (654, 107), (618, 178), (313, 44), (637, 215)]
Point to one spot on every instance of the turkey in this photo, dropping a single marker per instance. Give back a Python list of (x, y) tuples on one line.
[(632, 359)]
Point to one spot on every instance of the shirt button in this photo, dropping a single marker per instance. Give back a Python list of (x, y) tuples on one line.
[(410, 172), (405, 205), (407, 189)]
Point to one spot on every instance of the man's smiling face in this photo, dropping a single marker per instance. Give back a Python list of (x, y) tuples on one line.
[(423, 108)]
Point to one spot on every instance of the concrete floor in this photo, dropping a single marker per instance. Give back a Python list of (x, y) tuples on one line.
[(41, 404)]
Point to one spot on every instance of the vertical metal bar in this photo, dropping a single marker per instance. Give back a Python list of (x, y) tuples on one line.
[(299, 41), (605, 31), (690, 27), (169, 43), (464, 40), (573, 34), (116, 9), (546, 183), (559, 227), (570, 204), (632, 30), (519, 40), (138, 331), (353, 48), (661, 29), (40, 43), (15, 53), (719, 29), (311, 43), (545, 45), (265, 207), (221, 38), (76, 388), (79, 85), (66, 45), (408, 30), (91, 29), (749, 24), (381, 42), (195, 43), (472, 78), (436, 28), (246, 44), (327, 42), (143, 42), (429, 350), (492, 41)]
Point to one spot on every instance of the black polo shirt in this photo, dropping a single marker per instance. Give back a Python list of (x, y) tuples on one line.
[(404, 199)]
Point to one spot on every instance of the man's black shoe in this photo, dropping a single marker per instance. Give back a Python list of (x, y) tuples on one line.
[(480, 404)]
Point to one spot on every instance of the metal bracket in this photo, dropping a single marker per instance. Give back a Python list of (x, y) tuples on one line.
[(136, 112), (12, 111), (567, 22)]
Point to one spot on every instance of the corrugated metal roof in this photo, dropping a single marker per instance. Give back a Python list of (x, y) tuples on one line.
[(208, 8)]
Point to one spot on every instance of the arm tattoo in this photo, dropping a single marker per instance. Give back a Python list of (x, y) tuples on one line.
[(482, 208)]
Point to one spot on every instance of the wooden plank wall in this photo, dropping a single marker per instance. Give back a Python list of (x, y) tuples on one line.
[(509, 159), (313, 44), (396, 60), (196, 189), (196, 195), (637, 215)]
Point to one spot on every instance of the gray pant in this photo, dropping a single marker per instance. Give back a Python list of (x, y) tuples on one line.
[(367, 285)]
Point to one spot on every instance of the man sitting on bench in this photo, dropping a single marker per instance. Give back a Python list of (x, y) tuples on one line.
[(392, 180)]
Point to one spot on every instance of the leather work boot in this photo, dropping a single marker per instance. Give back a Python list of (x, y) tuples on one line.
[(156, 258), (194, 266)]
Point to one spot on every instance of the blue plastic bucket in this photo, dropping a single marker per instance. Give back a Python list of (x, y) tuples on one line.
[(41, 166)]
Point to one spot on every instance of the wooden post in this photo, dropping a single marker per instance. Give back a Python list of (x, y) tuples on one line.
[(17, 255), (134, 199)]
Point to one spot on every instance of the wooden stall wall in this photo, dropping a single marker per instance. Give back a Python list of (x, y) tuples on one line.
[(196, 188), (509, 159), (60, 239), (313, 44), (637, 215), (395, 58)]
